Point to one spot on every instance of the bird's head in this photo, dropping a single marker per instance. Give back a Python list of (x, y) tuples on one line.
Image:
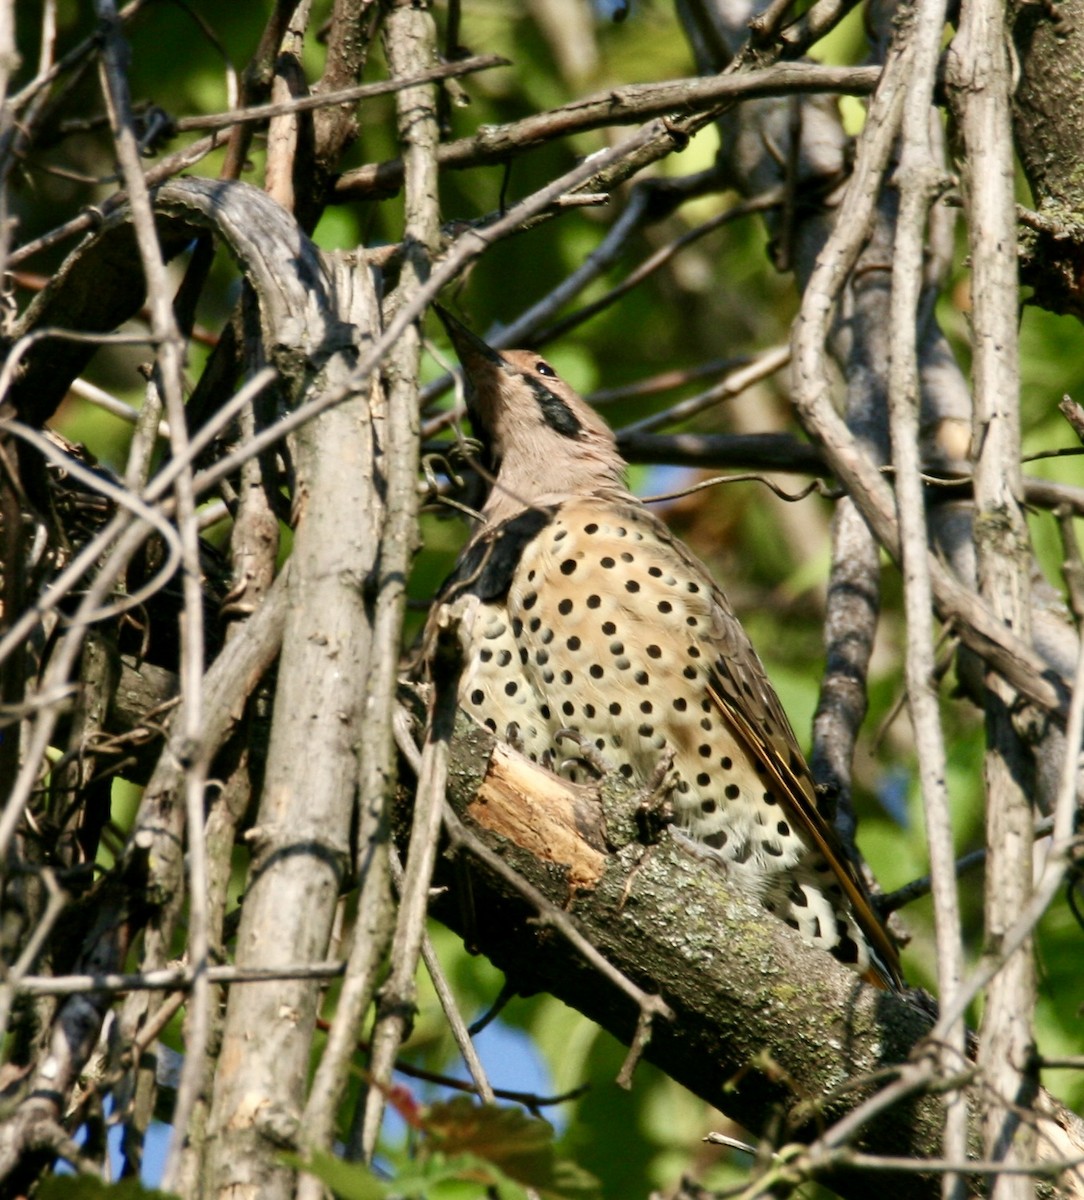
[(542, 440)]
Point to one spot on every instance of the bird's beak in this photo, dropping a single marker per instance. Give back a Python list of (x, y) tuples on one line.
[(472, 351)]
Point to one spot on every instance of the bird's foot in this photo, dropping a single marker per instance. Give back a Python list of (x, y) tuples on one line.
[(655, 812), (589, 753), (513, 735)]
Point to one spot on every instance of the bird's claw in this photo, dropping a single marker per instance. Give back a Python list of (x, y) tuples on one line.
[(655, 813), (448, 462), (589, 753)]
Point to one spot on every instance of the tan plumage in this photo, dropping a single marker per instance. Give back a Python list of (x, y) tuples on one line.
[(592, 617)]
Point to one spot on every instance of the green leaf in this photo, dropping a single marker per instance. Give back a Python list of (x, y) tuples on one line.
[(349, 1181), (519, 1146), (435, 1177)]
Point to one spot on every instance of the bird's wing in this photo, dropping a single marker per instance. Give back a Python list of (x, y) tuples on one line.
[(740, 689)]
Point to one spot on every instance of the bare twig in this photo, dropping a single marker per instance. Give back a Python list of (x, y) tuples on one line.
[(172, 978), (918, 178), (449, 1007), (364, 91), (395, 1008), (619, 106), (979, 81), (183, 160), (763, 366)]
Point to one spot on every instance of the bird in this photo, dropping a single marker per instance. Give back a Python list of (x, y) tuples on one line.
[(591, 620)]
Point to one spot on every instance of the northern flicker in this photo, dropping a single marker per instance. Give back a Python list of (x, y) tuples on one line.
[(591, 619)]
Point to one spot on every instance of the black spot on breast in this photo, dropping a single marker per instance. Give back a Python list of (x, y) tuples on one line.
[(565, 607), (708, 806), (615, 709), (566, 676), (594, 601), (609, 628), (530, 600), (703, 779), (592, 528), (511, 687), (655, 572), (568, 708), (573, 643), (646, 706), (596, 671), (568, 566), (606, 562), (681, 704), (664, 606), (716, 840), (704, 751), (654, 651), (631, 585), (477, 696), (732, 791)]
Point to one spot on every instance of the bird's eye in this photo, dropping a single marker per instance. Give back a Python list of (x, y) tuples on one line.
[(543, 368)]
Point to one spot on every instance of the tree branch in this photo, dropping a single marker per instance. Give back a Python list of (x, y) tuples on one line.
[(746, 1035)]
